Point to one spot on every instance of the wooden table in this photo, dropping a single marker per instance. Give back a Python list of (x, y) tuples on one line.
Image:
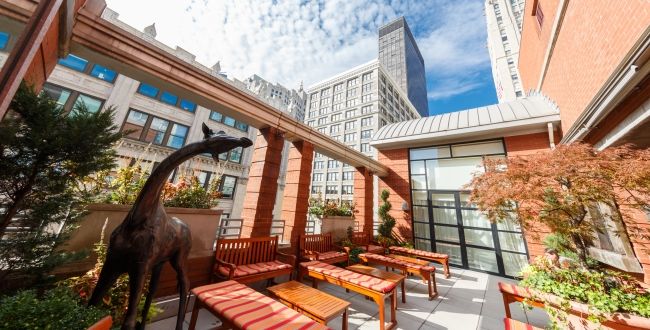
[(316, 304), (384, 275), (409, 259)]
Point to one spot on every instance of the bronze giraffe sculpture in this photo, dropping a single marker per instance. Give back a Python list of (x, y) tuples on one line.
[(148, 237)]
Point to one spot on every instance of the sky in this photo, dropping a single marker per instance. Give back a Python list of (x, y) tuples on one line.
[(294, 41)]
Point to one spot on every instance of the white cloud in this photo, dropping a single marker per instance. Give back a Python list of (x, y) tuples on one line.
[(289, 41)]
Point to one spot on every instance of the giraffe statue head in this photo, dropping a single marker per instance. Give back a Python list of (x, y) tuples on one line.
[(219, 142)]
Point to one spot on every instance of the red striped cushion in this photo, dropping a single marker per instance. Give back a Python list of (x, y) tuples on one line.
[(418, 252), (330, 255), (511, 324), (372, 256), (515, 290), (365, 281), (373, 248), (249, 309), (251, 269)]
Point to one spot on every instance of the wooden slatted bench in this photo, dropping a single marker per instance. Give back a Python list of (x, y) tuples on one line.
[(363, 241), (249, 260), (440, 258), (320, 247), (374, 288), (426, 273), (240, 307)]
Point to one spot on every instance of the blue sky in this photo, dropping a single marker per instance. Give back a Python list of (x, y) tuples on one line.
[(293, 41)]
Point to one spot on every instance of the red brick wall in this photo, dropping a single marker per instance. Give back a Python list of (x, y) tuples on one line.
[(594, 37), (397, 183), (363, 197), (296, 191)]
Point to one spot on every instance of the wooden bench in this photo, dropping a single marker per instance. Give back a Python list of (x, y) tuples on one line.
[(320, 247), (374, 288), (440, 258), (249, 260), (514, 293), (240, 307), (510, 324), (425, 272), (363, 241)]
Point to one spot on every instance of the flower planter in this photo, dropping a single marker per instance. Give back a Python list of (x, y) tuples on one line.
[(337, 226)]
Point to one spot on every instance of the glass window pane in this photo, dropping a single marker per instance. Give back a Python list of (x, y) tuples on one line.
[(148, 90), (228, 186), (135, 124), (169, 98), (482, 259), (137, 118), (422, 230), (103, 73), (74, 62), (177, 136), (419, 198), (445, 216), (58, 94), (92, 104), (420, 214), (452, 174), (430, 153), (479, 237), (475, 218), (417, 167), (4, 40), (229, 121), (216, 116), (423, 244), (188, 105), (443, 200), (477, 149), (452, 250), (157, 130), (444, 233), (513, 263), (418, 182), (241, 126), (508, 224), (512, 242), (235, 155)]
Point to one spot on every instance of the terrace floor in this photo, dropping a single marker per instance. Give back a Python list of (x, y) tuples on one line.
[(467, 300)]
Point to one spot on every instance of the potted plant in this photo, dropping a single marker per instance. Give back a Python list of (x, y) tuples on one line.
[(385, 229), (336, 216), (558, 190)]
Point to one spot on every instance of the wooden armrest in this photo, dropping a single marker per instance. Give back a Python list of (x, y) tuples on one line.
[(288, 258), (231, 267), (339, 248)]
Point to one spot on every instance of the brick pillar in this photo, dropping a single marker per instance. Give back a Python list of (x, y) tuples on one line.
[(397, 184), (257, 213), (296, 191), (363, 196)]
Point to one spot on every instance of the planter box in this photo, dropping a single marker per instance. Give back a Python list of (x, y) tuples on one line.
[(337, 226), (203, 225)]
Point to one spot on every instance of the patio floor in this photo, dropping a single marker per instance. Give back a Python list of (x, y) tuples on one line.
[(467, 300)]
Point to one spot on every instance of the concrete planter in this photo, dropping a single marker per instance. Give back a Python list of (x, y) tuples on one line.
[(337, 226)]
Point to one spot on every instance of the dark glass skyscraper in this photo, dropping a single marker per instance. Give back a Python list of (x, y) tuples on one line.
[(400, 56)]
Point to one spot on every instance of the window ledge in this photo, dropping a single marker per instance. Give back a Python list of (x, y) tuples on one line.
[(622, 262)]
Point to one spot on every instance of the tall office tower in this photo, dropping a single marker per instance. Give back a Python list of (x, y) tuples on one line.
[(350, 107), (400, 56), (504, 21)]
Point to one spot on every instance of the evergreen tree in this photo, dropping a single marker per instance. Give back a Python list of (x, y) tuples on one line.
[(387, 221)]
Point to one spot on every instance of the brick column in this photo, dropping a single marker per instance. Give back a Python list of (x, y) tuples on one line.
[(397, 184), (363, 198), (296, 191), (257, 213)]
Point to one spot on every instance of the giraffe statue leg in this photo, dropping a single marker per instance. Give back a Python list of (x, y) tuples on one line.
[(107, 278), (136, 285), (179, 263), (153, 286)]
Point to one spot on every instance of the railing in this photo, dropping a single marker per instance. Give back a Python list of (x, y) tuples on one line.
[(229, 228), (277, 228)]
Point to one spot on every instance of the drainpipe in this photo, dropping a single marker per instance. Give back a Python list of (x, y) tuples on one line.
[(551, 136)]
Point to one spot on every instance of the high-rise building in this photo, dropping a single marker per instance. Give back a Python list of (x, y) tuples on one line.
[(400, 56), (504, 21), (350, 107)]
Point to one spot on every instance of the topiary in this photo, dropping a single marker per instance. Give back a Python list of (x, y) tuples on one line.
[(387, 224)]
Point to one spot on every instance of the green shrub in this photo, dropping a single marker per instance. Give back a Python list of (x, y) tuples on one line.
[(59, 308)]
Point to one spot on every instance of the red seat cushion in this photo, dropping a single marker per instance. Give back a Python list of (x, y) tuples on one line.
[(515, 290), (365, 281), (249, 309), (373, 248), (260, 267), (331, 255), (377, 257), (418, 252), (511, 324)]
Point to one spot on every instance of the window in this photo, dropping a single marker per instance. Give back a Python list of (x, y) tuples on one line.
[(347, 189), (235, 155), (148, 90), (147, 128), (352, 92), (365, 147), (366, 98), (166, 97), (330, 189), (332, 176), (241, 126), (318, 155), (4, 40), (79, 64), (337, 107), (216, 116), (318, 177), (347, 176), (367, 76), (316, 189), (351, 103), (311, 123), (366, 134), (366, 121), (321, 130), (332, 163), (350, 113), (353, 82), (322, 111), (539, 14), (318, 165), (324, 93), (227, 186), (169, 98), (103, 73), (338, 87), (367, 88), (366, 109), (350, 125), (322, 121), (70, 100), (313, 104), (74, 62), (349, 137), (338, 97), (187, 105), (335, 128), (336, 117), (324, 101), (518, 93), (92, 104), (312, 114)]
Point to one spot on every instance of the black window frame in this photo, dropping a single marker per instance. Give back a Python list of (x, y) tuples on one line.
[(90, 66), (147, 126), (68, 107)]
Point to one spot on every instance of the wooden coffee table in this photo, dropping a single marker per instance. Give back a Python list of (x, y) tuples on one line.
[(409, 259), (380, 274), (316, 304)]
